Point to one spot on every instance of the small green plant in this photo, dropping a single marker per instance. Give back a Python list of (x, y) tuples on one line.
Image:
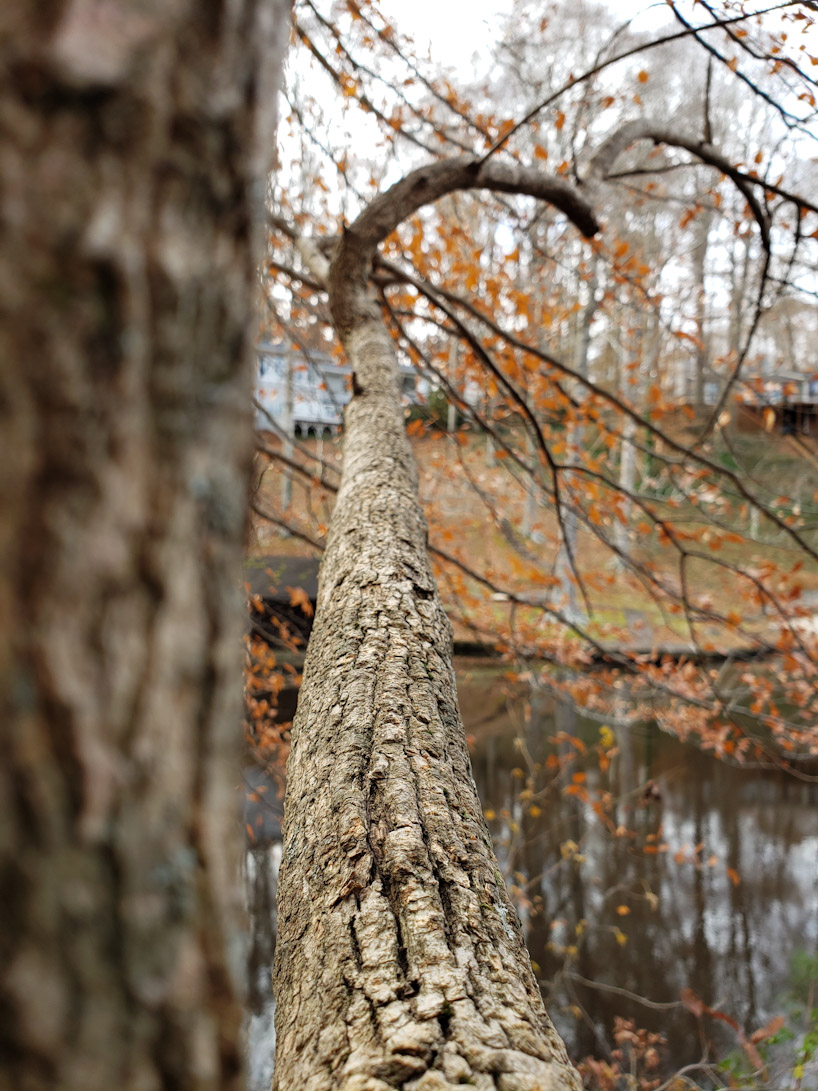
[(748, 1068), (804, 990)]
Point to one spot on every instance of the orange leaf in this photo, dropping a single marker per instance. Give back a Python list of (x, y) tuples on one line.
[(773, 1027), (300, 598)]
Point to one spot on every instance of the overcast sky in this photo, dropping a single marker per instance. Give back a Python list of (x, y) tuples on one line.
[(452, 37)]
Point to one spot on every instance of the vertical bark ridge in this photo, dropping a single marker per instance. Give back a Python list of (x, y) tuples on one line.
[(400, 961)]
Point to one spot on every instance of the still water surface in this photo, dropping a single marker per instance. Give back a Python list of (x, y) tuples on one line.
[(667, 871)]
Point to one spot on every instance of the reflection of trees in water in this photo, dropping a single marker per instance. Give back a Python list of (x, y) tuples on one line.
[(688, 923), (261, 879), (762, 829), (589, 1032), (262, 814)]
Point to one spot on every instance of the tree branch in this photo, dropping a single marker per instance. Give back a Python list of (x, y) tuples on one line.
[(606, 155)]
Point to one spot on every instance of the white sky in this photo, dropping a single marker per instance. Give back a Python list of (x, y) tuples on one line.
[(452, 39), (440, 27)]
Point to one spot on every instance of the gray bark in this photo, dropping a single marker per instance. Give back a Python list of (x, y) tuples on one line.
[(569, 603), (699, 271), (454, 380), (131, 138), (289, 433), (400, 961)]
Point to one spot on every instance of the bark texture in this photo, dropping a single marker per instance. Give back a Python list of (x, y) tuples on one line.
[(400, 960), (131, 136)]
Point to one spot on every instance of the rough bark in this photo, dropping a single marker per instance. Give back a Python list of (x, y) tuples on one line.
[(130, 140), (400, 961)]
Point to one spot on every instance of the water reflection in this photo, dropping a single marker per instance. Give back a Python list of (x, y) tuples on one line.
[(263, 813), (639, 864), (670, 871)]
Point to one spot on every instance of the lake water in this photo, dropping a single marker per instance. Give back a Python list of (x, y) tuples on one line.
[(644, 870)]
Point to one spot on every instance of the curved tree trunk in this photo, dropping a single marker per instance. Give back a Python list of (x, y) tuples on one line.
[(130, 138), (400, 960)]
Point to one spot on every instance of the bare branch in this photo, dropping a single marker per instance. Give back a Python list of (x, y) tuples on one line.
[(789, 119), (349, 297), (606, 155), (364, 100), (386, 35), (643, 47)]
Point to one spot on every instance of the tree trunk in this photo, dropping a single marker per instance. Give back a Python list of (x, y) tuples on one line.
[(130, 138), (699, 272), (400, 961), (569, 602)]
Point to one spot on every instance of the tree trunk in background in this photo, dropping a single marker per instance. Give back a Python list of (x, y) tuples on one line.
[(568, 602), (699, 272), (647, 345), (130, 139)]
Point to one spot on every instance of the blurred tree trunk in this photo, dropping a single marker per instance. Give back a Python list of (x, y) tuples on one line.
[(131, 140)]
